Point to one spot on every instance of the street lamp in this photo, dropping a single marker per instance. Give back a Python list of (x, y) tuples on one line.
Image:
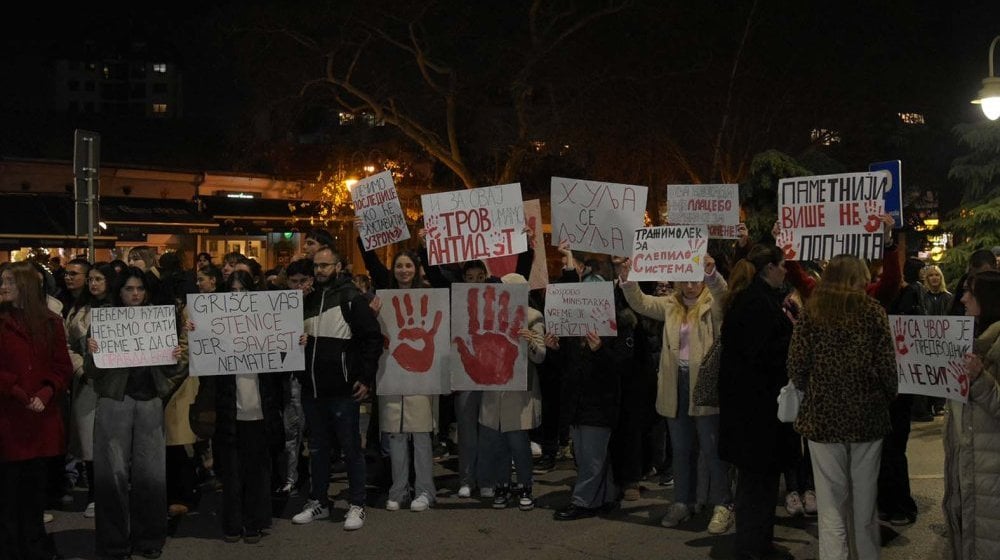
[(989, 96)]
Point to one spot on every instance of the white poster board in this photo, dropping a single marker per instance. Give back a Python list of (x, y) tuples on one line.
[(577, 308), (539, 267), (415, 323), (596, 217), (472, 224), (717, 206), (930, 352), (245, 332), (828, 215), (487, 352), (669, 253), (377, 204), (134, 336)]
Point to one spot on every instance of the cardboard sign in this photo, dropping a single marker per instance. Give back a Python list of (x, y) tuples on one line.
[(930, 352), (712, 205), (669, 253), (828, 215), (245, 332), (539, 267), (415, 324), (472, 224), (134, 336), (577, 308), (596, 217), (488, 354), (377, 204)]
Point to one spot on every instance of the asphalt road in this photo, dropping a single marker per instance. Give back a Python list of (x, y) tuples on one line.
[(464, 528)]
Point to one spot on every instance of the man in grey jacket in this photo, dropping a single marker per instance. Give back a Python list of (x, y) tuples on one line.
[(342, 353)]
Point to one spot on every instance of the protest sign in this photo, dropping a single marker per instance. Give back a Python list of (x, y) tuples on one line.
[(377, 204), (471, 224), (415, 323), (488, 353), (669, 253), (245, 332), (596, 217), (577, 308), (539, 268), (828, 215), (717, 206), (930, 352), (134, 336)]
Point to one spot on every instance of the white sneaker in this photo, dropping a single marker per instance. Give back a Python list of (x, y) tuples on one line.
[(486, 492), (536, 450), (355, 518), (677, 513), (312, 511), (392, 505), (722, 520), (421, 503), (793, 504), (90, 511), (465, 491)]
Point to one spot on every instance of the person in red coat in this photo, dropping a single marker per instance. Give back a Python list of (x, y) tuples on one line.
[(34, 369)]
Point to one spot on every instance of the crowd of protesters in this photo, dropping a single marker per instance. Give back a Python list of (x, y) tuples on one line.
[(146, 441)]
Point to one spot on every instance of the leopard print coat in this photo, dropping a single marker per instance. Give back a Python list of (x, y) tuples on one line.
[(847, 371)]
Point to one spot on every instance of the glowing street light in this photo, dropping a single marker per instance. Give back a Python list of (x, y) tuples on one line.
[(989, 96)]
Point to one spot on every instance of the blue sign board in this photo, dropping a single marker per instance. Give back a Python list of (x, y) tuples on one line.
[(894, 194)]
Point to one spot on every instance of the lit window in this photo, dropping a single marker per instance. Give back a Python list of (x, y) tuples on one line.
[(159, 108), (538, 145), (346, 119), (824, 136), (160, 67), (911, 118), (371, 121)]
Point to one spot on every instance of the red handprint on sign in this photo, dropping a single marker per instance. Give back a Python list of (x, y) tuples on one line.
[(696, 244), (494, 349), (957, 371), (432, 226), (873, 208), (784, 239), (410, 358), (900, 338), (605, 314)]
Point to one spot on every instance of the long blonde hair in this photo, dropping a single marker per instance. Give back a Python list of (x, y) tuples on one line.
[(841, 290)]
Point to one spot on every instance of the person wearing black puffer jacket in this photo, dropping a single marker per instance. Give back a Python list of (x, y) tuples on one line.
[(342, 353)]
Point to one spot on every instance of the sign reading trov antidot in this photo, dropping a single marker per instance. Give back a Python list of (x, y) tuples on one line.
[(473, 224)]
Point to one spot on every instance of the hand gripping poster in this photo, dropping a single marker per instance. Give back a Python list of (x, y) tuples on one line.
[(415, 324), (488, 353)]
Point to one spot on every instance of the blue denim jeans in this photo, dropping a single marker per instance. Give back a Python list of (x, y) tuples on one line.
[(496, 450), (683, 431), (339, 417), (595, 482)]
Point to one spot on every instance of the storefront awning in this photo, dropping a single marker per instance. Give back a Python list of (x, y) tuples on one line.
[(257, 216), (41, 220), (125, 215)]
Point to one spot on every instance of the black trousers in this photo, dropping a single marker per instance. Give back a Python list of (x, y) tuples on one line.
[(22, 504), (894, 473), (756, 492), (246, 475), (182, 484)]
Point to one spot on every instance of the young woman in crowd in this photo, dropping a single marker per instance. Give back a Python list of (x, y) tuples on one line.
[(248, 427), (756, 331), (34, 369), (505, 417), (841, 357), (971, 432), (692, 319), (129, 446), (406, 419), (100, 281)]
